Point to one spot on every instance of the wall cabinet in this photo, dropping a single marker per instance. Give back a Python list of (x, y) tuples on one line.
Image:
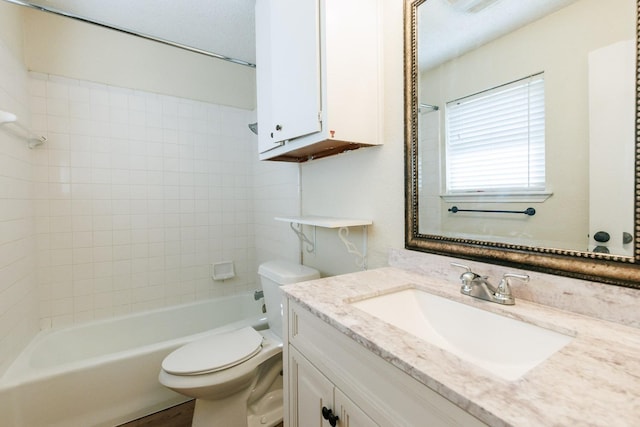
[(319, 77), (325, 368)]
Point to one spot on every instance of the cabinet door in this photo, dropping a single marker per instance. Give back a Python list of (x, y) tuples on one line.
[(288, 70), (263, 75), (310, 392), (350, 415)]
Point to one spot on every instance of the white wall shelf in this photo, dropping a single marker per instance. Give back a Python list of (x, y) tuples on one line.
[(325, 221), (342, 224)]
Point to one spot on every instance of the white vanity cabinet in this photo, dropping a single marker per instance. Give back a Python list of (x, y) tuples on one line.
[(325, 368), (318, 401), (319, 77)]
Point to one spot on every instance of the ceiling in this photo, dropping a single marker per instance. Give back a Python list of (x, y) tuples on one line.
[(224, 27)]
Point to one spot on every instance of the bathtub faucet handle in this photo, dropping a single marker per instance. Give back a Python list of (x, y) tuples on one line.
[(258, 295)]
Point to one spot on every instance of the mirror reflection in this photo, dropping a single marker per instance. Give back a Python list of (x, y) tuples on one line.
[(526, 122)]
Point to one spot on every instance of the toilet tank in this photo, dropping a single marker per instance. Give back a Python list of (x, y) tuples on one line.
[(274, 274)]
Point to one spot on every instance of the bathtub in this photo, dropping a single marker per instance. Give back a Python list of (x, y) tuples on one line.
[(105, 373)]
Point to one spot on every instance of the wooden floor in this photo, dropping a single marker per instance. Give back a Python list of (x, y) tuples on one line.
[(177, 416)]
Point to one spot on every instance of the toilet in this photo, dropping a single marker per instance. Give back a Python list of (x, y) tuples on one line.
[(236, 376)]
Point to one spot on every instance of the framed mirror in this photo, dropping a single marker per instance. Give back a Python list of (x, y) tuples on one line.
[(521, 134)]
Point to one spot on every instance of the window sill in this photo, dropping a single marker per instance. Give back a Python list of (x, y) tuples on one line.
[(498, 197)]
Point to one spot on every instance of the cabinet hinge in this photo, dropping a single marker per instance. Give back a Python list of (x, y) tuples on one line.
[(320, 116)]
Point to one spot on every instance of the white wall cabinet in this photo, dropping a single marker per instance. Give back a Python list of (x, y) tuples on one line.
[(288, 73), (319, 77), (325, 368)]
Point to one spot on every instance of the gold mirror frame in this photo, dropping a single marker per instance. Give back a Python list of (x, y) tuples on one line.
[(611, 269)]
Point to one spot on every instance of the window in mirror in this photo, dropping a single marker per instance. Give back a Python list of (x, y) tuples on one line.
[(495, 139)]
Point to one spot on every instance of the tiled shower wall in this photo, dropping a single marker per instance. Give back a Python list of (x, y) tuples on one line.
[(275, 193), (136, 194), (18, 290)]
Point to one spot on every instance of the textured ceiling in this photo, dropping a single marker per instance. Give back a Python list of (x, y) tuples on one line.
[(224, 27)]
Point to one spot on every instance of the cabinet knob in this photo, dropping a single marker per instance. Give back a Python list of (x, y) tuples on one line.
[(601, 236), (327, 414)]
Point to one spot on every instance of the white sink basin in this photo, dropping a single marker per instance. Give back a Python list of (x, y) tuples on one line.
[(503, 346)]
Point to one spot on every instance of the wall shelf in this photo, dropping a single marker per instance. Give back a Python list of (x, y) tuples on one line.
[(342, 224), (325, 221)]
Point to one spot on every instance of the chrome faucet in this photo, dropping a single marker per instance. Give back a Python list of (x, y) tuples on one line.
[(479, 287)]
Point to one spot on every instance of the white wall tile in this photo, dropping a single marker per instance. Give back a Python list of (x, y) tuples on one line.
[(130, 181)]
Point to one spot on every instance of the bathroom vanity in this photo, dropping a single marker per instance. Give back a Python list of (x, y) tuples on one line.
[(350, 364), (328, 371)]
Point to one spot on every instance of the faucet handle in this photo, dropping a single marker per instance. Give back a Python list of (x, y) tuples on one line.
[(467, 277), (503, 291), (523, 277), (466, 267)]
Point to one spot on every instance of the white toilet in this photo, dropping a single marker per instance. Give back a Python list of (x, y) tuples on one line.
[(236, 377)]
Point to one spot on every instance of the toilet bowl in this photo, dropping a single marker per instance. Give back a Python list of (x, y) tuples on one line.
[(236, 376)]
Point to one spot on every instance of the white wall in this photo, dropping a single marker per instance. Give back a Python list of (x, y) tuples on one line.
[(365, 183), (275, 193), (136, 195), (18, 290), (136, 192), (61, 46)]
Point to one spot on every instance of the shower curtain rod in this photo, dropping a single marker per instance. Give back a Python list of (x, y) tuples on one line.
[(33, 139), (433, 107), (132, 33)]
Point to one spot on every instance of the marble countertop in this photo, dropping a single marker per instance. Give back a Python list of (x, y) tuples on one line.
[(593, 381)]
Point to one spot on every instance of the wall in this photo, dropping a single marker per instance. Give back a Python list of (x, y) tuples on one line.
[(18, 290), (65, 47), (276, 192), (136, 195), (365, 183), (136, 192), (374, 175), (584, 26)]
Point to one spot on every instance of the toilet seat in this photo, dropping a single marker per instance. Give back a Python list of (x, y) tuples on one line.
[(214, 353)]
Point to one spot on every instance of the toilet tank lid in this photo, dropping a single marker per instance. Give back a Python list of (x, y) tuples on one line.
[(287, 272)]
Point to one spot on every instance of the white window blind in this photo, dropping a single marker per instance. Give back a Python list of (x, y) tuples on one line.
[(495, 139)]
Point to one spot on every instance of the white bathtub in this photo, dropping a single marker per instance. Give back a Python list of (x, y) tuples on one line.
[(105, 373)]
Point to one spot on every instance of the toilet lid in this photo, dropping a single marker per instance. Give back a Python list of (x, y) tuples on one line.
[(214, 353)]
